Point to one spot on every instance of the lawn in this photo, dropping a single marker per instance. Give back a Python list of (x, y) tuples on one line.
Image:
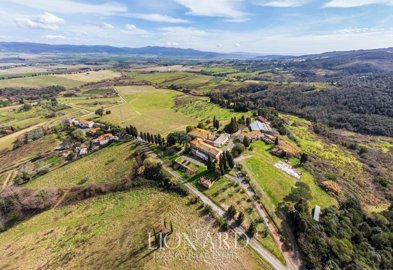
[(110, 164), (112, 232), (203, 110), (149, 109), (219, 70), (275, 183)]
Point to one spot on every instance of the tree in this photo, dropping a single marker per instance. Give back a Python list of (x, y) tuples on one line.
[(209, 163), (252, 229), (238, 149), (230, 160), (178, 137), (222, 167), (224, 160), (232, 127), (276, 142), (303, 158), (248, 121), (240, 218), (246, 141), (231, 212), (99, 112), (108, 112)]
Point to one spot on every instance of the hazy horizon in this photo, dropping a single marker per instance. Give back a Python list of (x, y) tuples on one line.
[(290, 27)]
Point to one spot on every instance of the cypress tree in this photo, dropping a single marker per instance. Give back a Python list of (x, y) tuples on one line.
[(230, 160)]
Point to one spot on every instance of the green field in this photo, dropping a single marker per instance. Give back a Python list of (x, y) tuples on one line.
[(149, 109), (202, 110), (66, 80), (219, 70), (107, 165), (275, 183), (39, 81), (91, 104), (112, 232)]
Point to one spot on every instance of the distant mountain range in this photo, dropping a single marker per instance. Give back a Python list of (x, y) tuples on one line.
[(369, 56), (26, 47)]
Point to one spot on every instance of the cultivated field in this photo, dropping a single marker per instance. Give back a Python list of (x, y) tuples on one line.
[(91, 76), (110, 164), (149, 109), (112, 232), (66, 80)]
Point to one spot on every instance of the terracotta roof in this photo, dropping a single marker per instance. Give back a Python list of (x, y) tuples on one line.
[(83, 121), (201, 145), (200, 133), (105, 137), (252, 134)]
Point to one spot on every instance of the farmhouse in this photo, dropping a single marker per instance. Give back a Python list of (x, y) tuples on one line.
[(105, 139), (260, 126), (221, 140), (201, 134), (82, 149), (82, 123), (204, 150)]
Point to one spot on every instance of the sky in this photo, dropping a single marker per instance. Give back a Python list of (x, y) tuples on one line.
[(255, 26)]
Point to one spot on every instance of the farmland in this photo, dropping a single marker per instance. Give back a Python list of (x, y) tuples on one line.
[(66, 80), (149, 109), (112, 231), (110, 164), (203, 110)]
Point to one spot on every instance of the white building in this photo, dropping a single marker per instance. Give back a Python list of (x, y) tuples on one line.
[(221, 140)]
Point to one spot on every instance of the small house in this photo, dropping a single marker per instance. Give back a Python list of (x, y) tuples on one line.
[(205, 182), (82, 123), (221, 140), (105, 139)]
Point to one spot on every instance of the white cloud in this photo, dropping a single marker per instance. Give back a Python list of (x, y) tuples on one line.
[(106, 26), (356, 3), (72, 7), (154, 17), (54, 37), (171, 44), (46, 21), (215, 8), (283, 3), (237, 45), (131, 29)]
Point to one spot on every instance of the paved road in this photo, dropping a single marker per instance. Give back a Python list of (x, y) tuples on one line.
[(239, 230)]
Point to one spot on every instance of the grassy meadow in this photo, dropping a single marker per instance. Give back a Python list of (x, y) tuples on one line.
[(203, 110), (28, 151), (277, 184), (149, 109), (110, 164), (112, 232)]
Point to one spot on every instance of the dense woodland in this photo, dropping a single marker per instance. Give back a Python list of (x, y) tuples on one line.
[(358, 103)]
